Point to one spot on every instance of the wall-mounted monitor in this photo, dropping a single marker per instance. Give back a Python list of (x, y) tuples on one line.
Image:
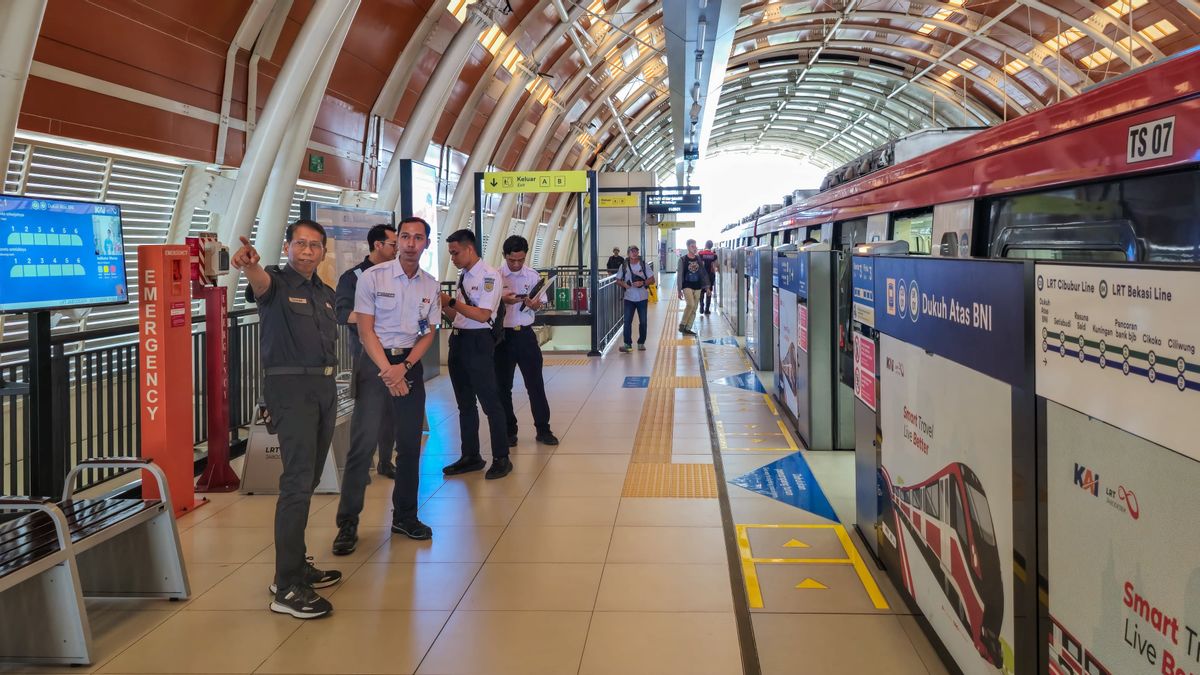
[(58, 254)]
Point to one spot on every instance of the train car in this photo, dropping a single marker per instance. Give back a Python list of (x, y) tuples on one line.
[(949, 518)]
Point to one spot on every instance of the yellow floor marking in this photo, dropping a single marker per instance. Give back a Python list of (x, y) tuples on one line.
[(796, 543), (788, 435), (812, 584), (749, 562), (770, 404), (582, 361)]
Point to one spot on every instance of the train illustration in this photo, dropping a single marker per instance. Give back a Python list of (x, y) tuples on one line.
[(949, 518)]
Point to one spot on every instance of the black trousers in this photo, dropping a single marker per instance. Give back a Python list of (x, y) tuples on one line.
[(375, 409), (706, 297), (302, 409), (473, 374), (520, 350), (387, 430)]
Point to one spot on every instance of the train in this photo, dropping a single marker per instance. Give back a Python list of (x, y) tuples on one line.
[(949, 518)]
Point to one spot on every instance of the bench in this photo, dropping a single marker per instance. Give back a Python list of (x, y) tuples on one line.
[(53, 554)]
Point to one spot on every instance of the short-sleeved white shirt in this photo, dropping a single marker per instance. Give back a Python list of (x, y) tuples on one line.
[(520, 283), (482, 283), (405, 308)]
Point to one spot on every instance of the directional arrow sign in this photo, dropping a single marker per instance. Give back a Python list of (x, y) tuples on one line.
[(535, 181), (795, 543), (812, 584)]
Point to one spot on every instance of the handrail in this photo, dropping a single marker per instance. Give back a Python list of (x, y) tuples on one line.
[(100, 333)]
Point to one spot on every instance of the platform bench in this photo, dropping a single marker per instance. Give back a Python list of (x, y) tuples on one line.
[(54, 554)]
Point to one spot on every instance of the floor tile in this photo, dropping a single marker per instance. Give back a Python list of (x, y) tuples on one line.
[(553, 511), (449, 544), (646, 587), (667, 545), (668, 512), (587, 464), (468, 512), (920, 641), (578, 485), (833, 643), (534, 587), (503, 643), (358, 642), (404, 586), (187, 642), (627, 643), (225, 544), (113, 630), (319, 544), (571, 544)]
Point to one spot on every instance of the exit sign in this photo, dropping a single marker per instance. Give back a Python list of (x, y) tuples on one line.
[(316, 163)]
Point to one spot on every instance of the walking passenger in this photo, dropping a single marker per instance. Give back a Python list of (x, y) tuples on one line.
[(692, 279), (635, 278)]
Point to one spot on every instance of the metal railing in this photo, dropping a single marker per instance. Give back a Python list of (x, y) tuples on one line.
[(97, 408)]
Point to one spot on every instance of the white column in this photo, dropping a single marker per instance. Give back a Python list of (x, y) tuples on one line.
[(464, 193), (20, 23), (277, 200), (277, 115), (423, 122), (525, 163)]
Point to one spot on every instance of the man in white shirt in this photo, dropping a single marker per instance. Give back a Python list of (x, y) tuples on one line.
[(396, 306), (472, 361), (635, 277), (520, 347)]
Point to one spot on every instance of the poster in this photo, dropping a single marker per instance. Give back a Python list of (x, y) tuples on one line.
[(946, 466), (802, 327), (424, 203), (346, 236), (1123, 568), (1106, 336), (787, 352), (863, 289), (864, 369)]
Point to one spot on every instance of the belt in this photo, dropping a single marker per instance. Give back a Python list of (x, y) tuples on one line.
[(300, 370), (397, 351), (458, 331), (517, 327)]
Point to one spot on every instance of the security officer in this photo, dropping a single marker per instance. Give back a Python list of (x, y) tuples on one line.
[(520, 346), (397, 307), (381, 241), (472, 357), (298, 336)]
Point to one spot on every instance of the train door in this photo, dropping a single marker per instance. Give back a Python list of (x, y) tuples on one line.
[(848, 233), (952, 228)]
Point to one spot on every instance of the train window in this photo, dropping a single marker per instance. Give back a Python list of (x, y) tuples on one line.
[(982, 515), (933, 501), (1150, 218), (958, 517), (916, 229)]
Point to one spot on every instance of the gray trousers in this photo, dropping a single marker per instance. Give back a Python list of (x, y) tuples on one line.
[(303, 412), (376, 408)]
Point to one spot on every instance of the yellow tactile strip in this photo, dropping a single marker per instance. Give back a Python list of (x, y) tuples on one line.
[(651, 473), (670, 480), (552, 361)]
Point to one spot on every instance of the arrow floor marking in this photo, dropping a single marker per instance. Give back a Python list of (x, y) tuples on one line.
[(811, 584), (795, 543)]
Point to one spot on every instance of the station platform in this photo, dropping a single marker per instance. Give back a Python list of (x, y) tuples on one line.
[(629, 548)]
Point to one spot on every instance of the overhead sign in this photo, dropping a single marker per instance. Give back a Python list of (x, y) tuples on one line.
[(498, 182), (676, 224), (940, 304), (618, 201), (1107, 336), (673, 202)]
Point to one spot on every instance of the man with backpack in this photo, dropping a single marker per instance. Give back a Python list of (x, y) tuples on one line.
[(635, 277), (692, 279), (709, 257)]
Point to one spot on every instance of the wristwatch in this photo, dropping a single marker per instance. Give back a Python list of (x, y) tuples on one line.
[(408, 365)]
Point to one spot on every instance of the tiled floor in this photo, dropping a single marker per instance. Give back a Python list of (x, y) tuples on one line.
[(550, 570)]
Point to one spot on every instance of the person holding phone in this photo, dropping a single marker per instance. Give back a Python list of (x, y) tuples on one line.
[(635, 277)]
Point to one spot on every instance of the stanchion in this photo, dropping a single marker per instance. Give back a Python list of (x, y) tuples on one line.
[(218, 475)]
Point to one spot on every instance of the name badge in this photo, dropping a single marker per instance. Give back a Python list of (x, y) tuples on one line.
[(422, 327), (384, 294), (298, 301)]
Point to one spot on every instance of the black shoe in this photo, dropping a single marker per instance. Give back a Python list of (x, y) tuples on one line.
[(688, 331), (302, 602), (512, 440), (547, 438), (413, 529), (386, 469), (315, 578), (500, 468), (346, 540), (464, 465)]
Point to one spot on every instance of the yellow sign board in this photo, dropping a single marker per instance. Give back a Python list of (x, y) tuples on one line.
[(618, 201), (535, 181), (676, 224)]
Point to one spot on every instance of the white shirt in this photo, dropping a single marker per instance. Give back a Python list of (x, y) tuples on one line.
[(405, 308), (482, 283), (520, 283), (627, 272)]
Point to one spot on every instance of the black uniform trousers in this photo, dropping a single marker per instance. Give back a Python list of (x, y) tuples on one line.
[(303, 412), (473, 375), (375, 407), (520, 349), (387, 427)]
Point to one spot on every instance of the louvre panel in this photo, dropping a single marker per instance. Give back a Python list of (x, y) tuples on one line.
[(16, 165), (539, 244), (65, 174)]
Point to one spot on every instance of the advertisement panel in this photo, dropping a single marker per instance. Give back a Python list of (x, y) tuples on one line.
[(787, 351), (1124, 575), (346, 230), (424, 205), (1106, 336), (947, 519), (863, 289), (864, 370)]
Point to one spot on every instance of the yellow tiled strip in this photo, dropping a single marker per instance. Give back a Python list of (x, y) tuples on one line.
[(651, 472)]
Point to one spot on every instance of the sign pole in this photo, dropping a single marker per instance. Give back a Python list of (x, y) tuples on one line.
[(478, 211), (594, 214), (218, 475)]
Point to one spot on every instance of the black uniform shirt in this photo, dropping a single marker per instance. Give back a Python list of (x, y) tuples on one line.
[(344, 304), (298, 327)]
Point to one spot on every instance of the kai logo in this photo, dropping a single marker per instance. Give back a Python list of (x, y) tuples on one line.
[(1087, 480), (891, 297)]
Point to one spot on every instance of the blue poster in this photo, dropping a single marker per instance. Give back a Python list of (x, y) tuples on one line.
[(863, 289), (969, 311), (636, 382), (791, 273), (789, 480), (747, 380)]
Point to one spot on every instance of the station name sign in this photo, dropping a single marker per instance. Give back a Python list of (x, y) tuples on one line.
[(672, 202)]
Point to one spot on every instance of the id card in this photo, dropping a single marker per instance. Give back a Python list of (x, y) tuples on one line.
[(422, 327)]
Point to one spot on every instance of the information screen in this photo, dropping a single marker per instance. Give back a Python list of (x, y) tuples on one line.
[(56, 254)]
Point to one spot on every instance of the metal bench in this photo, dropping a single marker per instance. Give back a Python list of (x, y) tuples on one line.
[(53, 554)]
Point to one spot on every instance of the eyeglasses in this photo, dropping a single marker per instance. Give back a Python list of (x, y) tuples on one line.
[(303, 244)]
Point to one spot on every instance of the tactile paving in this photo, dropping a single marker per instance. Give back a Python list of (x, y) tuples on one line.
[(553, 361), (670, 480)]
